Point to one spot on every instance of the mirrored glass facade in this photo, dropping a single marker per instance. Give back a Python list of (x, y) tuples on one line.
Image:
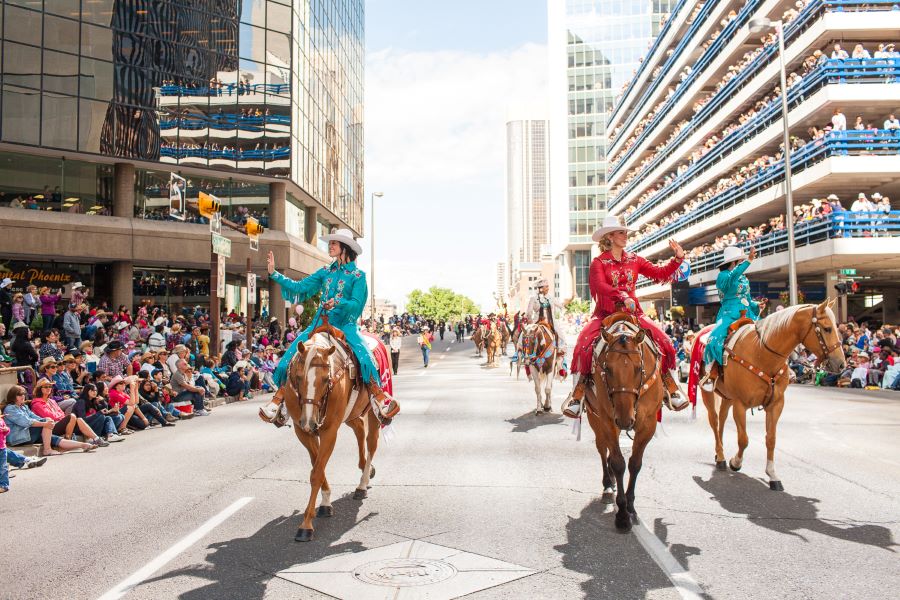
[(263, 87)]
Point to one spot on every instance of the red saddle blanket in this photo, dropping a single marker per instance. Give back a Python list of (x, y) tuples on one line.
[(697, 363), (382, 360)]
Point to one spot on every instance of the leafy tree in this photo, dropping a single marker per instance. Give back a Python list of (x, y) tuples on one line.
[(440, 304), (578, 306)]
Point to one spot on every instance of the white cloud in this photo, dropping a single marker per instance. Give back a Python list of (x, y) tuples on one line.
[(436, 145)]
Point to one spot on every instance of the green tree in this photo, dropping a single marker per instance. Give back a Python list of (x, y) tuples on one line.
[(578, 307), (440, 304)]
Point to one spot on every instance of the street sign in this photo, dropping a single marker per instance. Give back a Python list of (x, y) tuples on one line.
[(848, 271), (221, 245), (177, 192), (251, 288), (220, 287)]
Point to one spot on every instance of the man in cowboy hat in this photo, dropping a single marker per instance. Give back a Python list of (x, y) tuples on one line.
[(113, 362)]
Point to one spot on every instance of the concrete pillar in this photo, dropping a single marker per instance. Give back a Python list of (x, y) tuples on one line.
[(312, 218), (277, 305), (840, 308), (122, 284), (277, 199), (123, 190), (890, 306)]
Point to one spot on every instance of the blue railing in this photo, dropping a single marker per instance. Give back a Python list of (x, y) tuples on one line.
[(697, 68), (230, 89), (643, 66), (831, 71), (182, 153), (837, 225), (225, 122), (836, 143), (806, 16)]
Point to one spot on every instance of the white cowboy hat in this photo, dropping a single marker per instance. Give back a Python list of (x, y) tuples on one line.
[(542, 282), (731, 254), (610, 224), (77, 285), (345, 236), (6, 282)]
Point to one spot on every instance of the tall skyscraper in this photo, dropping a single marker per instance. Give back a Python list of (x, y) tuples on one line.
[(527, 193), (595, 48)]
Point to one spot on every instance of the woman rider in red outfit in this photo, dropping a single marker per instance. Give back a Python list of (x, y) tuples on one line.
[(613, 277)]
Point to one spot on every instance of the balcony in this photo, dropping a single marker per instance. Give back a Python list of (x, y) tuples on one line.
[(864, 155)]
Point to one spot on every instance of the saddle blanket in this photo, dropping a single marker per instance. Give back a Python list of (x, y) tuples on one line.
[(697, 366), (382, 360)]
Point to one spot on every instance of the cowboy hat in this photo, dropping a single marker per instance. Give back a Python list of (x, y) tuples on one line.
[(832, 197), (116, 381), (610, 224), (113, 345), (542, 282), (345, 236), (42, 382), (6, 282), (121, 325), (731, 254), (19, 325), (77, 285), (241, 364), (47, 362)]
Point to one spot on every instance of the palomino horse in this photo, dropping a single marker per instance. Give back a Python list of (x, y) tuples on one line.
[(756, 373), (317, 394), (541, 357), (479, 337), (492, 341), (628, 394), (504, 337)]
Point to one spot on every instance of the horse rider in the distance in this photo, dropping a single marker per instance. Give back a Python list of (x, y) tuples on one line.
[(343, 291), (543, 307)]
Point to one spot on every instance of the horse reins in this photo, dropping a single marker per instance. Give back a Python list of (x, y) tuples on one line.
[(321, 402), (643, 385)]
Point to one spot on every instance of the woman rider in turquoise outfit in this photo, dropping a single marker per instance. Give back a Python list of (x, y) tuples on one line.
[(734, 294), (344, 292)]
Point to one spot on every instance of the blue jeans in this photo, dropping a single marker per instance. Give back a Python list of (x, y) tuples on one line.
[(426, 352), (195, 397), (4, 470)]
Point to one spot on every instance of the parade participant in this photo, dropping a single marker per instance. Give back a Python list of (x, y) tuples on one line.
[(541, 307), (613, 277), (734, 294), (343, 290)]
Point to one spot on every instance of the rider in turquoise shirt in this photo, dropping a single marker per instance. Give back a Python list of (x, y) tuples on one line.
[(343, 291), (734, 294)]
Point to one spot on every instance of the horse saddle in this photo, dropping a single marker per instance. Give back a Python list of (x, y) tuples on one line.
[(740, 322), (358, 403), (621, 323)]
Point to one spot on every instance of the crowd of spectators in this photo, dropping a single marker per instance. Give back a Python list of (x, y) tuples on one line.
[(873, 359), (212, 149)]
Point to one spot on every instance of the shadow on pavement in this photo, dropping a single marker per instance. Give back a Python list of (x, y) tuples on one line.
[(680, 552), (529, 421), (616, 563), (783, 513), (243, 567)]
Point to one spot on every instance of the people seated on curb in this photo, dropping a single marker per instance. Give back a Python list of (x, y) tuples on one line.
[(185, 389), (45, 406), (103, 424), (25, 427)]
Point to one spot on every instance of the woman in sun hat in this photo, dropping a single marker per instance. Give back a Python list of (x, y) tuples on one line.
[(344, 292), (734, 295), (613, 278)]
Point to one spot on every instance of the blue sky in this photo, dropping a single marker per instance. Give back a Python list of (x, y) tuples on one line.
[(442, 79)]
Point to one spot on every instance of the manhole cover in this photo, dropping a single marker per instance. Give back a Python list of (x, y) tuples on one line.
[(404, 572)]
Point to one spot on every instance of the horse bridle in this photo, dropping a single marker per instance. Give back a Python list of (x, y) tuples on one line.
[(643, 384), (813, 326)]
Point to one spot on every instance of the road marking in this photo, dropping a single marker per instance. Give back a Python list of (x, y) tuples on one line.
[(422, 372), (183, 544), (685, 584)]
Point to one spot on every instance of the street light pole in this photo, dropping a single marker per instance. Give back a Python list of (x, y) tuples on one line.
[(372, 233), (757, 26)]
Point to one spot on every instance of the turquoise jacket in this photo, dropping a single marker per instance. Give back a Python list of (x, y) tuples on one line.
[(346, 284), (734, 294)]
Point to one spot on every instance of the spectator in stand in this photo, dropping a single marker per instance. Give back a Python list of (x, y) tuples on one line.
[(18, 309), (860, 374), (100, 403), (184, 388), (839, 53), (48, 306), (32, 303), (123, 397), (114, 363), (396, 343), (25, 427), (79, 293), (103, 424), (72, 326), (859, 52), (891, 123), (11, 457), (22, 348), (230, 356), (157, 340), (861, 204), (51, 346), (180, 352), (45, 406), (838, 120), (148, 392)]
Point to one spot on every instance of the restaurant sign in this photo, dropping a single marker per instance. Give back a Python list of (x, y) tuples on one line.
[(24, 275)]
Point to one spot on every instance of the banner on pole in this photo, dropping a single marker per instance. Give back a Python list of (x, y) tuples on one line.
[(177, 192), (251, 288), (220, 287)]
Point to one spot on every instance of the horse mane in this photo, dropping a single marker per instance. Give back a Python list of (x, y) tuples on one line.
[(778, 323)]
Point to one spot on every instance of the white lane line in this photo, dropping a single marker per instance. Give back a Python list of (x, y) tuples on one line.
[(685, 584), (183, 544), (422, 372), (443, 356)]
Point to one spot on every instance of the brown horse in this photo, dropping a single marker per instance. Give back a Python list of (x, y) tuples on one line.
[(479, 337), (317, 394), (627, 394), (492, 342), (504, 338), (756, 373), (541, 357)]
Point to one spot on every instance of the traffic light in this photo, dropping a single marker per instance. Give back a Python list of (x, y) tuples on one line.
[(846, 287), (254, 230), (854, 287), (208, 204)]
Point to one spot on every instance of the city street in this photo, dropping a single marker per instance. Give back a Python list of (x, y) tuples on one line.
[(494, 501)]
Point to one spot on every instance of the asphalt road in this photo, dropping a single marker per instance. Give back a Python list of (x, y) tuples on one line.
[(473, 471)]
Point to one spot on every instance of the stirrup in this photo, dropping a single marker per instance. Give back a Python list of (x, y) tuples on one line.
[(674, 405), (708, 384), (572, 407)]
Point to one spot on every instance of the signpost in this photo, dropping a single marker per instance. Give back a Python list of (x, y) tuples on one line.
[(221, 245), (177, 192), (251, 289), (848, 271)]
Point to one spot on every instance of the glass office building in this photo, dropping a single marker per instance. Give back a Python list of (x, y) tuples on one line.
[(602, 42), (101, 99)]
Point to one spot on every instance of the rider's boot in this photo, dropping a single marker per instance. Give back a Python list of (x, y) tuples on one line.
[(573, 404), (387, 411), (676, 399), (272, 412), (712, 373)]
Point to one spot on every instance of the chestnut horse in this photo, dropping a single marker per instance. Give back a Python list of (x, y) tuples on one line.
[(541, 358), (479, 337), (627, 393), (504, 338), (317, 394), (492, 342), (756, 373)]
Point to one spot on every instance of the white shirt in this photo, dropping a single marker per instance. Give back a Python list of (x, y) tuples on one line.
[(396, 342), (156, 341), (892, 124), (839, 122), (860, 372), (861, 205)]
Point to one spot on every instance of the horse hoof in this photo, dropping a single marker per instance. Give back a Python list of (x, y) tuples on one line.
[(733, 468), (360, 495), (776, 486), (634, 517), (623, 523), (608, 497), (721, 465), (325, 511), (547, 409), (372, 473), (304, 535)]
